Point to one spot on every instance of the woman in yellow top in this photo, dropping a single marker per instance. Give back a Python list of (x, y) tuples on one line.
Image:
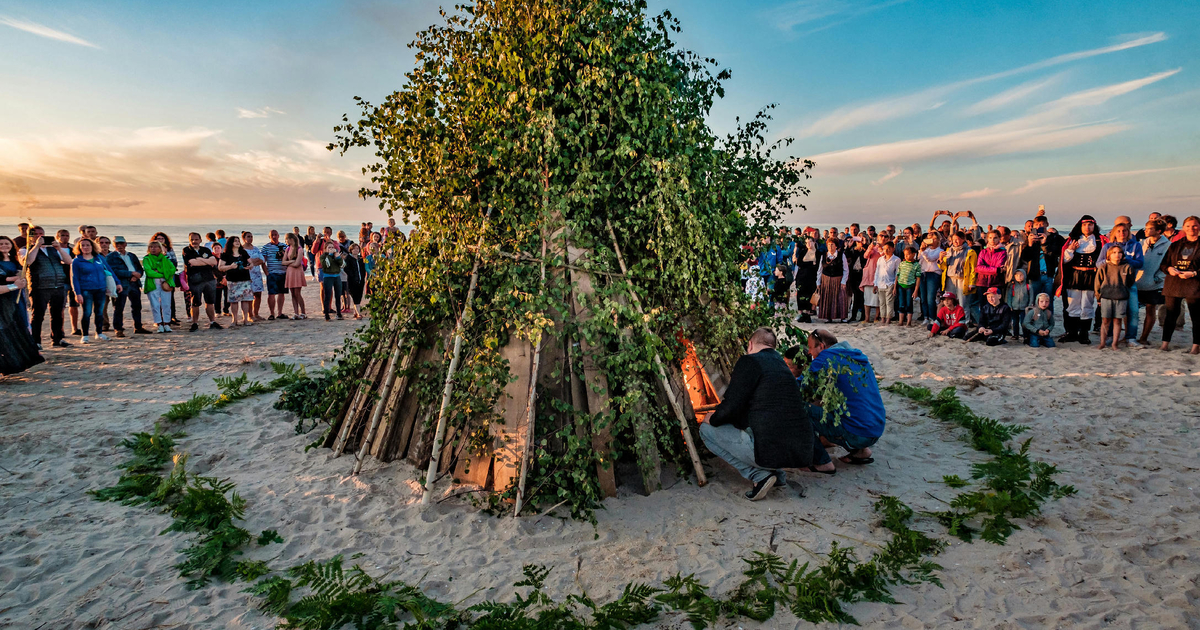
[(958, 270), (160, 283)]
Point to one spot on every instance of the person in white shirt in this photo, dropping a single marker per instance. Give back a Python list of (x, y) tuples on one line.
[(885, 282), (931, 276)]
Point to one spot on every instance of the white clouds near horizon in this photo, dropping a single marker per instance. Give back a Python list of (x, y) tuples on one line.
[(896, 107), (1074, 179), (265, 112), (893, 173), (42, 30), (1049, 126)]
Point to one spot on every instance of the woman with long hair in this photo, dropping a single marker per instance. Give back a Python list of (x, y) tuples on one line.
[(18, 350), (356, 278), (160, 284), (10, 270), (833, 272), (235, 262), (1182, 284), (293, 263), (169, 252), (89, 279)]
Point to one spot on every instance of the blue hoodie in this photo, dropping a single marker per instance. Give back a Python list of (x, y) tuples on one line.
[(863, 402)]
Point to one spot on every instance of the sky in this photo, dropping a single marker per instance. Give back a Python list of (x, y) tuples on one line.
[(181, 113)]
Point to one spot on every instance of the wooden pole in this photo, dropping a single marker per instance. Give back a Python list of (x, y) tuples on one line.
[(389, 381), (530, 410), (701, 479), (448, 389)]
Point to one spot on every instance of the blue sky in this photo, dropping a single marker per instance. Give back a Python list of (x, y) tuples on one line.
[(183, 112)]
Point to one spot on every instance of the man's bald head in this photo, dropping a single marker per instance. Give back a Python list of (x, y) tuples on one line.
[(762, 339)]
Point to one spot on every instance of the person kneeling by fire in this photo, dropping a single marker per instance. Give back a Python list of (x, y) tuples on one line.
[(761, 426), (863, 420)]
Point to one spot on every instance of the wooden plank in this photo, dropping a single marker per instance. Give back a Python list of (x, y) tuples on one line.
[(594, 380), (509, 438), (392, 440)]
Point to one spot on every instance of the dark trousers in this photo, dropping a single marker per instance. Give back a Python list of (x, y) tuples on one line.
[(93, 307), (1174, 306), (1016, 328), (133, 295), (55, 300), (331, 292)]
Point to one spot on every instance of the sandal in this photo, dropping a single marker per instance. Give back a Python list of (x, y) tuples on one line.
[(823, 472), (857, 461)]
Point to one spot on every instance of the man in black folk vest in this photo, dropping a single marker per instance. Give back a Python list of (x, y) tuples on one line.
[(47, 266), (761, 426)]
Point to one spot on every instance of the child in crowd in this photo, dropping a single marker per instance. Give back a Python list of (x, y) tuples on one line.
[(906, 279), (886, 269), (994, 318), (1039, 319), (1018, 300), (951, 318), (1113, 279)]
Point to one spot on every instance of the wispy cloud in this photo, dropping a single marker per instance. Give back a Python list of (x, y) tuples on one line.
[(892, 173), (970, 194), (264, 112), (1075, 179), (69, 204), (896, 107), (42, 30), (819, 15), (1046, 127), (1010, 96), (166, 158)]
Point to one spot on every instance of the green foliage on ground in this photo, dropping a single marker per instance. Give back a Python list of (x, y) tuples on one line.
[(1011, 484)]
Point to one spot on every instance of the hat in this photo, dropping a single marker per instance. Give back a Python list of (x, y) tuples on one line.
[(118, 239), (949, 296), (992, 290)]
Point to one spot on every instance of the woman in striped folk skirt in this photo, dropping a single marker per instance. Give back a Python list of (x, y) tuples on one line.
[(833, 271)]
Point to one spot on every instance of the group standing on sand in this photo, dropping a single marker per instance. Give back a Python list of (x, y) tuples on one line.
[(992, 285), (92, 279)]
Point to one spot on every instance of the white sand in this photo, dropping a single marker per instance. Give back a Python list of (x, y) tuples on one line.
[(1121, 553)]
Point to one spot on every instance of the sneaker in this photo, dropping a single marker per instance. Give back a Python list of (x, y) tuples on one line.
[(282, 316), (215, 326), (61, 343), (327, 316), (40, 348), (85, 340), (759, 492), (103, 337), (78, 332), (120, 334), (194, 327), (167, 329), (1133, 343), (340, 316), (142, 331)]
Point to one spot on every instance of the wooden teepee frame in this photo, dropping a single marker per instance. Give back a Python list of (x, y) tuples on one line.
[(387, 420)]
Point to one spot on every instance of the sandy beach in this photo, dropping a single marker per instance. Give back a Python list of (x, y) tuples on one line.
[(1123, 427)]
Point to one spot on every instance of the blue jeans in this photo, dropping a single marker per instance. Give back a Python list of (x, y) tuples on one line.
[(93, 304), (736, 447), (1038, 340), (1132, 327), (836, 434), (904, 300), (331, 289), (1045, 284), (931, 283)]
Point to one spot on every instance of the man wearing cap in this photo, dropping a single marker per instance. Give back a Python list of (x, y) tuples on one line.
[(128, 270), (995, 317)]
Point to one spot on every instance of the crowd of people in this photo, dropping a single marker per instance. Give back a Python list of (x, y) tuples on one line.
[(95, 282), (995, 284)]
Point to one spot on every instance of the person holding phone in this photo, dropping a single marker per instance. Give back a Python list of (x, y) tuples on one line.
[(47, 268)]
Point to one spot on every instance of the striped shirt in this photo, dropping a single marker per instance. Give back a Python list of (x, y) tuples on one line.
[(906, 276)]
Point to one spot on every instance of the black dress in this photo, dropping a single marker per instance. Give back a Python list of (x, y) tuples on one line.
[(18, 352)]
